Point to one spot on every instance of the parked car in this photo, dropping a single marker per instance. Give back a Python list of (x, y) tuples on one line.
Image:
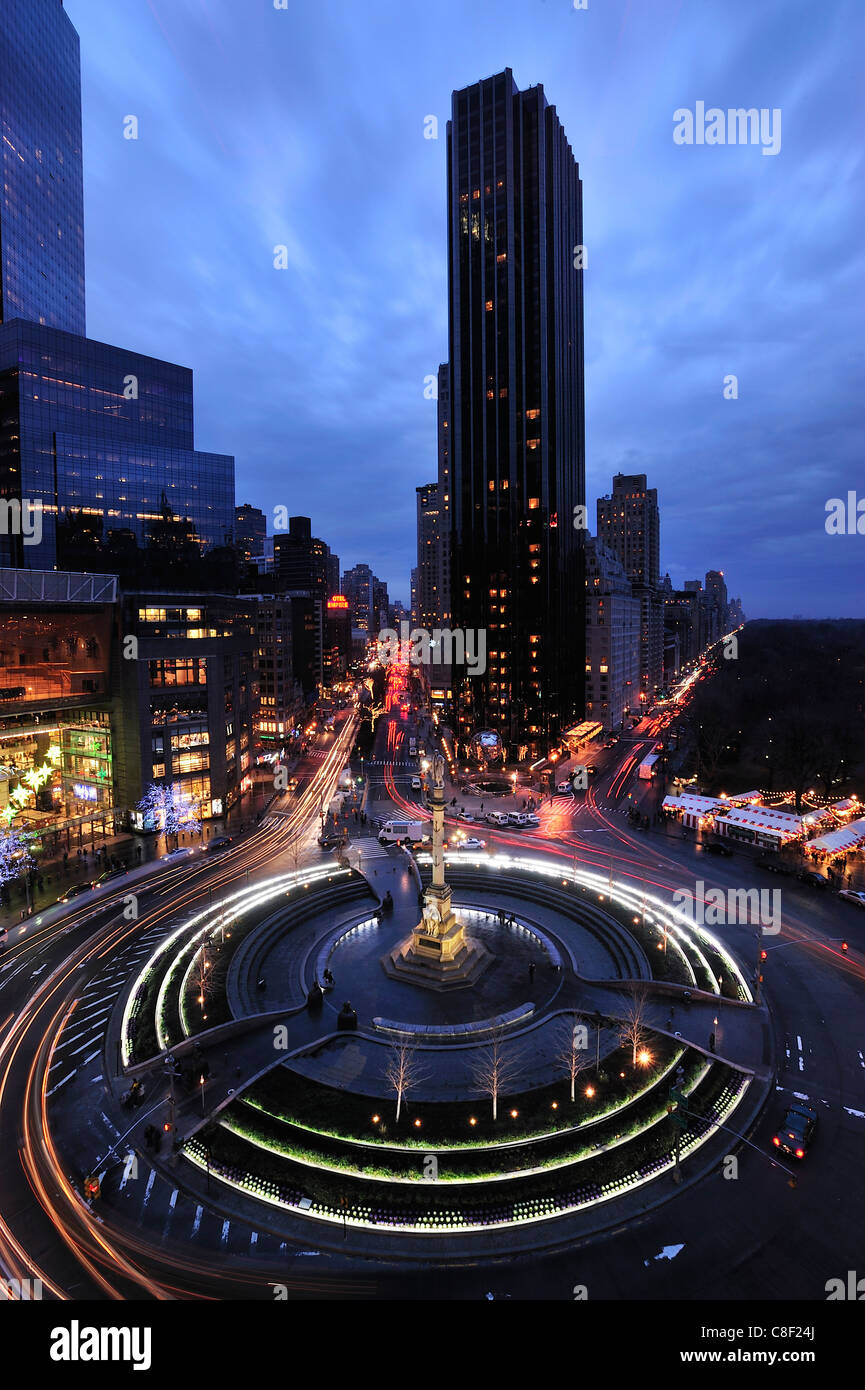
[(518, 818), (75, 891), (590, 769), (850, 895), (467, 817), (814, 880), (531, 819), (798, 1130), (498, 818), (717, 847), (220, 843)]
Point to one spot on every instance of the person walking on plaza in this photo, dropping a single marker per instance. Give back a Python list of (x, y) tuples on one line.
[(531, 972)]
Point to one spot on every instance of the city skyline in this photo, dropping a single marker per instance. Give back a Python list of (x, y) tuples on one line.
[(327, 369)]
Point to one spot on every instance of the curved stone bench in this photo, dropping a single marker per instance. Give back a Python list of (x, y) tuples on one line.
[(331, 944), (625, 952), (247, 962), (456, 1030)]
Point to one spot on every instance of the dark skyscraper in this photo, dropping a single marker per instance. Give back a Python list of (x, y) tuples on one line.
[(444, 490), (429, 548), (516, 409), (629, 525), (42, 195)]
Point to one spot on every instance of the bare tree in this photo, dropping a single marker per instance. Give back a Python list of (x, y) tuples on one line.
[(402, 1072), (573, 1053), (202, 976), (633, 1028), (495, 1069)]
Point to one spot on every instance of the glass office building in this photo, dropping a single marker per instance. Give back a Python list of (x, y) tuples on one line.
[(42, 189), (105, 435)]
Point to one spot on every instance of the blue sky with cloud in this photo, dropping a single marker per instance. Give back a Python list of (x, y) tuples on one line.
[(304, 127)]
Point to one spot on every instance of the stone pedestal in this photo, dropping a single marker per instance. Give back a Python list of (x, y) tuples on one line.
[(438, 954)]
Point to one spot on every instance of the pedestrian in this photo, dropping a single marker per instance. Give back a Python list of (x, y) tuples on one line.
[(531, 972)]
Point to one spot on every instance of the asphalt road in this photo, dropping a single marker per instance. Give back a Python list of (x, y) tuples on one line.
[(750, 1235)]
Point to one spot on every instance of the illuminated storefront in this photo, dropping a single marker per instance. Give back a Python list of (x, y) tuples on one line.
[(56, 763)]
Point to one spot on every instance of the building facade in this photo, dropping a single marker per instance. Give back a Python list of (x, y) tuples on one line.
[(443, 422), (612, 638), (56, 737), (429, 555), (516, 422), (629, 525), (42, 189), (250, 531), (186, 696), (280, 702)]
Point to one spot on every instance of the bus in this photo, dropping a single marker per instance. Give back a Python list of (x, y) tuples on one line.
[(412, 747)]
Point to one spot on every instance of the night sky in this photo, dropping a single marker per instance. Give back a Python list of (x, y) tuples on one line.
[(305, 128)]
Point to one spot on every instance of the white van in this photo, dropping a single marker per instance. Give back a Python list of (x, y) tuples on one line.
[(519, 818), (498, 818), (399, 832)]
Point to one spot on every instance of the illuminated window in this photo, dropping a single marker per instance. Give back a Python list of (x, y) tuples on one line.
[(532, 414), (534, 503), (488, 306)]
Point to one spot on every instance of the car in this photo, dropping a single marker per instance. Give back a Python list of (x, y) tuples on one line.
[(110, 874), (814, 880), (416, 784), (219, 844), (181, 853), (797, 1131), (470, 842), (499, 818), (591, 769), (850, 895), (532, 819), (329, 839), (75, 891), (467, 817), (772, 866), (718, 847), (562, 787)]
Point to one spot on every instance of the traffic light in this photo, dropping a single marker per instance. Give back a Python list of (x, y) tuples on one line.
[(844, 947), (166, 1128), (91, 1187), (764, 955)]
